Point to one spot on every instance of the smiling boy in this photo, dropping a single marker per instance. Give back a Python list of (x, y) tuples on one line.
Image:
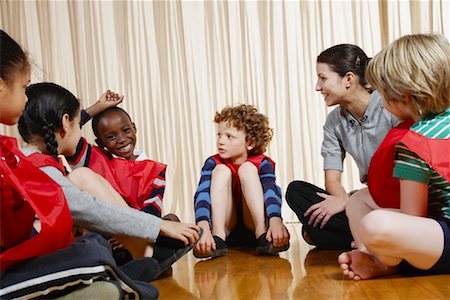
[(115, 131)]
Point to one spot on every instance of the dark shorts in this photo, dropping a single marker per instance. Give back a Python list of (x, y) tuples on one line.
[(442, 266), (241, 236)]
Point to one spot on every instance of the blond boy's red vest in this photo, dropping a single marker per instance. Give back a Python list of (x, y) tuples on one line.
[(384, 188)]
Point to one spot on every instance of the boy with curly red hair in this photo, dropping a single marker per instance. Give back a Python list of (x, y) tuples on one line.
[(238, 201)]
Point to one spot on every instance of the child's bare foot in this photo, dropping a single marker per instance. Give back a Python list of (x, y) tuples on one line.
[(358, 265)]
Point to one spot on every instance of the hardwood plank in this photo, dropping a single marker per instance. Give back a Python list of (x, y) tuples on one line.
[(299, 273)]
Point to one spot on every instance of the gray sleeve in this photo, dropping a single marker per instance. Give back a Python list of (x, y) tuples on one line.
[(332, 150), (93, 214)]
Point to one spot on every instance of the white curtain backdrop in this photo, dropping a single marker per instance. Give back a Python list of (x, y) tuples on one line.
[(178, 62)]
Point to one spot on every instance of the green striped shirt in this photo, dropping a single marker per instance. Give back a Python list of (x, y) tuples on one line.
[(408, 165)]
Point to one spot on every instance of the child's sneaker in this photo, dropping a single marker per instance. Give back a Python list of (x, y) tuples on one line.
[(264, 247), (221, 249), (171, 217), (167, 251), (143, 269)]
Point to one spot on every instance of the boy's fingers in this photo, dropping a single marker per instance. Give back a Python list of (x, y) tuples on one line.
[(269, 236)]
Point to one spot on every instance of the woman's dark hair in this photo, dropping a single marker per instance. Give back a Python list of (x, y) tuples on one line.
[(344, 58), (12, 58), (47, 103)]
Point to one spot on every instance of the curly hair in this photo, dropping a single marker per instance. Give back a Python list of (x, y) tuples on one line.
[(246, 118)]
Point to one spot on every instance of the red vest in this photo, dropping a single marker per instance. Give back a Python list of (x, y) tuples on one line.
[(384, 188), (25, 192), (133, 180), (255, 159)]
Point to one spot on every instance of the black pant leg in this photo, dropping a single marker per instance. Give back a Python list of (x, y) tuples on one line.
[(336, 234)]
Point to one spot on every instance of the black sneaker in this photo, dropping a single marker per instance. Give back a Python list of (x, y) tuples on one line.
[(167, 251), (221, 249), (122, 256), (263, 247), (143, 269), (171, 217)]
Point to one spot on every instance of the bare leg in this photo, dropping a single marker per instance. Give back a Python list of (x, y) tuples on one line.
[(89, 181), (359, 265), (391, 237), (253, 197), (358, 206), (223, 213)]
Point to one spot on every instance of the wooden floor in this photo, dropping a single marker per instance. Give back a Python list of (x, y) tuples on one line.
[(299, 273)]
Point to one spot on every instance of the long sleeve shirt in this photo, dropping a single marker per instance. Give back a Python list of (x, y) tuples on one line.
[(272, 192)]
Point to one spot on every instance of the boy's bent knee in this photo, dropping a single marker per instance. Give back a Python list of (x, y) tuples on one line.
[(246, 169), (221, 172), (377, 228), (352, 205), (83, 177), (79, 175)]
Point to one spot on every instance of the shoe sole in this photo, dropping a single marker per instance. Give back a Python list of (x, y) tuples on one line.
[(212, 254), (163, 266), (271, 249)]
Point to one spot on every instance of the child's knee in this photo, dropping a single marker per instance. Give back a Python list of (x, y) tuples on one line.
[(222, 173), (351, 205), (376, 228), (82, 176), (77, 176), (247, 169)]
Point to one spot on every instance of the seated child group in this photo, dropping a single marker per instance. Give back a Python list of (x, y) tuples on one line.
[(111, 188)]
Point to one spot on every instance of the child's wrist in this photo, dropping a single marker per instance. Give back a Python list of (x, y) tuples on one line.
[(275, 219), (204, 224)]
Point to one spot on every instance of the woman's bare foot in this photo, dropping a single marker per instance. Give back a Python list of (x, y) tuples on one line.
[(358, 265)]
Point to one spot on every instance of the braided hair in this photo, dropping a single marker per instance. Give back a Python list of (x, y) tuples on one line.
[(46, 106)]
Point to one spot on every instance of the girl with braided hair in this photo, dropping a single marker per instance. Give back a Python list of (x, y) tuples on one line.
[(50, 124)]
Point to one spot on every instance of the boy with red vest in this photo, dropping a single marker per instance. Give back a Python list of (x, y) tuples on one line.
[(237, 199), (413, 76)]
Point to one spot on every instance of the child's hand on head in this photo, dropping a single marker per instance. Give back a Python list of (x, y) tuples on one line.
[(107, 99), (206, 243), (277, 233)]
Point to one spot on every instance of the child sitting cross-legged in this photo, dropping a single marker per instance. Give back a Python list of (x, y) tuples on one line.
[(237, 199), (413, 76)]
